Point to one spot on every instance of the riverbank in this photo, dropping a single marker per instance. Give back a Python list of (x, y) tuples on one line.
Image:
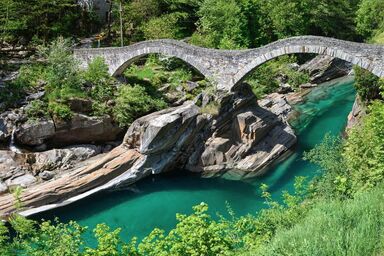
[(227, 135), (154, 201)]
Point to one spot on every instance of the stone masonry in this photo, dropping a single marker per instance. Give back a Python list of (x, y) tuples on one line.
[(226, 68)]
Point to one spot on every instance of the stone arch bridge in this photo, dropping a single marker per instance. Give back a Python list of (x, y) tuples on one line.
[(226, 68)]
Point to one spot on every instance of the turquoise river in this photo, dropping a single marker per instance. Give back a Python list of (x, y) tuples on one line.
[(155, 201)]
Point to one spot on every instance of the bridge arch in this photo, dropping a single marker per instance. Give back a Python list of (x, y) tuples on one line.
[(365, 56), (226, 68), (119, 58)]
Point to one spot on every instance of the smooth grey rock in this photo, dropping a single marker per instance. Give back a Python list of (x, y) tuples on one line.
[(23, 181), (79, 105), (35, 133), (159, 131), (63, 158), (46, 175), (5, 132), (35, 96), (3, 188), (80, 129), (277, 104), (323, 68)]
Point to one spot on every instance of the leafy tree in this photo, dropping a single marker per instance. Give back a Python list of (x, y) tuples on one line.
[(370, 18), (367, 84), (222, 24), (22, 20), (165, 26)]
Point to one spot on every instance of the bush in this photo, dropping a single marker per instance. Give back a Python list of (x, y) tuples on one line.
[(37, 109), (266, 78), (367, 84), (333, 227), (133, 102), (59, 110), (355, 165), (165, 26)]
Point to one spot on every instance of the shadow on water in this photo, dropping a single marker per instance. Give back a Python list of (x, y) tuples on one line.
[(154, 202)]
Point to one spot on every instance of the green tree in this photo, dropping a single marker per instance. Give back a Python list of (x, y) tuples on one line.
[(222, 24), (370, 18)]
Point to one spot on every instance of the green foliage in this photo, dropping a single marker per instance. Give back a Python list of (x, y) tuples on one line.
[(333, 227), (222, 24), (328, 156), (42, 20), (28, 80), (37, 109), (102, 88), (133, 102), (370, 18), (364, 150), (59, 110), (109, 242), (212, 108), (165, 26), (355, 165), (366, 84), (265, 78), (300, 17)]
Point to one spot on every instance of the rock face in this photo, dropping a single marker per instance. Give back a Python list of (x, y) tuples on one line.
[(29, 168), (80, 129), (358, 111), (246, 139), (323, 68), (239, 142)]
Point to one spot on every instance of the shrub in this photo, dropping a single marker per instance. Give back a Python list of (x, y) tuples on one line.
[(367, 84), (135, 101), (37, 109), (212, 108), (333, 227), (59, 110)]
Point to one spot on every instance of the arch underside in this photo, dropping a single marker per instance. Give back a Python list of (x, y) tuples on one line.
[(129, 59)]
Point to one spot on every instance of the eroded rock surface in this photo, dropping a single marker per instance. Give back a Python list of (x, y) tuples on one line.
[(323, 68), (79, 129), (241, 141)]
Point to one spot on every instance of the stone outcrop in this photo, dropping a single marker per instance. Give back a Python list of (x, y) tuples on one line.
[(28, 168), (358, 111), (79, 129), (324, 68), (241, 141), (245, 138)]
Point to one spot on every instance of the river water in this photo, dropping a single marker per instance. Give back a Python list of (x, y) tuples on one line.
[(155, 201)]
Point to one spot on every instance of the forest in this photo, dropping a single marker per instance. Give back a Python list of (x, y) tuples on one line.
[(340, 212)]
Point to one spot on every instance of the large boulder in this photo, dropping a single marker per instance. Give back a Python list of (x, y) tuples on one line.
[(34, 133), (323, 68), (158, 132), (22, 181), (85, 129), (58, 159), (57, 133)]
